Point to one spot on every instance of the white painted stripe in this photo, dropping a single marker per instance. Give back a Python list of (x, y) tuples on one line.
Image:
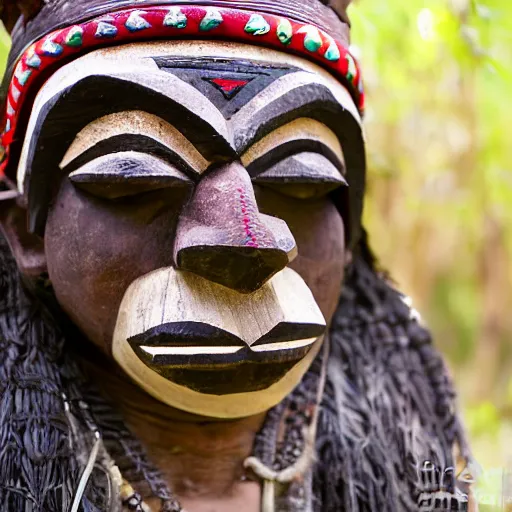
[(135, 122), (284, 345), (189, 351), (201, 350)]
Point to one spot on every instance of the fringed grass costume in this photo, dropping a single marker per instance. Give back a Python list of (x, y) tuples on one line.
[(374, 408)]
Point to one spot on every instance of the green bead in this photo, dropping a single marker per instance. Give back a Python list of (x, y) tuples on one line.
[(175, 18), (23, 76), (352, 68), (284, 31), (212, 19), (51, 49), (104, 30), (136, 22), (333, 52), (75, 37), (257, 25), (312, 41), (34, 61)]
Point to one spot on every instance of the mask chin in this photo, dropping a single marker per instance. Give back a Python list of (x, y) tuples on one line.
[(203, 348)]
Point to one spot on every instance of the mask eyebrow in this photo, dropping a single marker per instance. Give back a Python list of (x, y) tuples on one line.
[(135, 122), (90, 88), (66, 104), (298, 136), (299, 94), (318, 96)]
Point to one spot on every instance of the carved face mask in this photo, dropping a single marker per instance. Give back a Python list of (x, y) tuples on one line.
[(192, 197)]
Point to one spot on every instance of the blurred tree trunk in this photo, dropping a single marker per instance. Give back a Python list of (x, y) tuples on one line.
[(491, 260), (495, 297)]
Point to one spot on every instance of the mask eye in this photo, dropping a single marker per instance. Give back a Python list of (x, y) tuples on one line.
[(128, 173), (303, 176)]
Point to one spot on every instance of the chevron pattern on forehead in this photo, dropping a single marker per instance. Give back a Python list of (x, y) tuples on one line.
[(206, 75)]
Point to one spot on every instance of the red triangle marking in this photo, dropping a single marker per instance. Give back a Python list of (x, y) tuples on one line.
[(229, 85)]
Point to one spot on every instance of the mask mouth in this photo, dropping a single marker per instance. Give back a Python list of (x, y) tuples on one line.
[(208, 359), (213, 340), (194, 344)]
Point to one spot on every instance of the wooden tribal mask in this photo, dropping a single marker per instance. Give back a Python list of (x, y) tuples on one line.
[(175, 184)]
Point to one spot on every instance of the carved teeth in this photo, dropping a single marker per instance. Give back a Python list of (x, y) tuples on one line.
[(212, 19), (257, 25), (283, 345), (188, 351), (207, 350)]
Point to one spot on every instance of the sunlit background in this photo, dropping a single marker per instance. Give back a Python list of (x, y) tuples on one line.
[(439, 206)]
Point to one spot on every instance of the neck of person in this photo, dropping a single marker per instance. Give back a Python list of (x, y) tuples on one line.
[(200, 458)]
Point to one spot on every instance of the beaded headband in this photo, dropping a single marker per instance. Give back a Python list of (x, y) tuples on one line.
[(171, 22)]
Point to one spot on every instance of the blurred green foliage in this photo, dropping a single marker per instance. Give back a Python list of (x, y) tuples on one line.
[(439, 205), (4, 47), (439, 212)]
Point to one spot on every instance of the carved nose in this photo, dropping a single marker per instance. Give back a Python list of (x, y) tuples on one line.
[(223, 237)]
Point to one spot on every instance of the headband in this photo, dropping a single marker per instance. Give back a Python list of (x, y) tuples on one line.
[(174, 21)]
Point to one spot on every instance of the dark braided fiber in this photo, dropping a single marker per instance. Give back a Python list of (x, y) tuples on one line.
[(389, 404), (128, 453), (38, 469), (41, 457)]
